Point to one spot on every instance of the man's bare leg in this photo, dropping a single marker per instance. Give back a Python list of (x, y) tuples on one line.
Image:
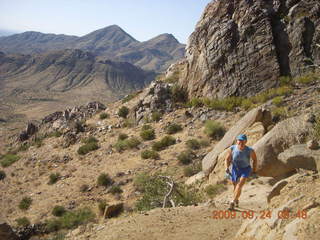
[(238, 188)]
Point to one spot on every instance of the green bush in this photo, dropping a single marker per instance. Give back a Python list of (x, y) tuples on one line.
[(89, 140), (285, 80), (129, 143), (193, 144), (185, 157), (23, 222), (213, 190), (173, 128), (122, 136), (146, 127), (2, 175), (149, 154), (307, 78), (192, 170), (179, 94), (195, 102), (133, 142), (277, 101), (156, 116), (123, 112), (148, 134), (280, 112), (89, 147), (115, 189), (58, 211), (8, 159), (103, 116), (163, 143), (104, 180), (247, 104), (53, 178), (25, 203), (154, 188), (70, 220), (214, 129)]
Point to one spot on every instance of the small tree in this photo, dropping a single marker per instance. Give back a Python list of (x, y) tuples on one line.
[(123, 112)]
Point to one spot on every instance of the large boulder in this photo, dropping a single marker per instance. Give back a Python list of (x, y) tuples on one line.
[(255, 115), (284, 135), (6, 232)]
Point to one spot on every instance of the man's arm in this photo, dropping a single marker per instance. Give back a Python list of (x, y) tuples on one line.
[(228, 159), (254, 161)]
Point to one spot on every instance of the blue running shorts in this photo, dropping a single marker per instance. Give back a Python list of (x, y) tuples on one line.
[(237, 173)]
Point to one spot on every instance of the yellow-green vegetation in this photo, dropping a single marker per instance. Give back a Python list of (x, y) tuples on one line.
[(115, 189), (54, 134), (285, 80), (189, 171), (70, 220), (150, 154), (193, 144), (123, 112), (280, 112), (90, 144), (25, 203), (179, 94), (307, 78), (156, 116), (147, 134), (104, 180), (213, 190), (173, 78), (128, 143), (154, 188), (58, 211), (173, 128), (214, 129), (2, 175), (130, 97), (186, 157), (53, 178), (103, 115), (8, 159), (165, 142), (122, 136), (277, 101), (23, 222)]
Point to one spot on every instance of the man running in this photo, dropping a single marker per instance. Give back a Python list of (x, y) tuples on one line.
[(239, 155)]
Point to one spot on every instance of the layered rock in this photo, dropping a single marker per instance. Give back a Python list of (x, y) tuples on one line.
[(242, 47)]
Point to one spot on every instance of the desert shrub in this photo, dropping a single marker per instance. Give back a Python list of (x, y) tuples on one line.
[(154, 188), (129, 143), (247, 104), (102, 206), (115, 189), (277, 101), (195, 102), (189, 171), (173, 128), (8, 159), (185, 157), (279, 113), (285, 80), (23, 222), (2, 175), (149, 154), (122, 136), (89, 147), (71, 219), (146, 127), (156, 116), (54, 134), (53, 178), (148, 134), (213, 190), (123, 112), (214, 129), (163, 143), (120, 145), (104, 180), (90, 139), (84, 188), (193, 144), (204, 143), (103, 115), (58, 211), (25, 203), (179, 94)]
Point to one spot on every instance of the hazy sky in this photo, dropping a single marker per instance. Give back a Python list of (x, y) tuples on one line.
[(142, 19)]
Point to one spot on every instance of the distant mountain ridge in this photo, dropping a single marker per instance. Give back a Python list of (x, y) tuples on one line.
[(111, 43)]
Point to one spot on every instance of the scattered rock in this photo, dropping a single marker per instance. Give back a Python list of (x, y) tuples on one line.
[(6, 232), (275, 191), (113, 210), (313, 144)]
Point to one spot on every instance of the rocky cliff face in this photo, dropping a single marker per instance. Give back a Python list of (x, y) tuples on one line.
[(243, 47)]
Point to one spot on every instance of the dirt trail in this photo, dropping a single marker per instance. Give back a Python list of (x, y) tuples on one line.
[(180, 223)]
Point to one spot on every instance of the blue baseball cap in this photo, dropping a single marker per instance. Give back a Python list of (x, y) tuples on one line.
[(242, 137)]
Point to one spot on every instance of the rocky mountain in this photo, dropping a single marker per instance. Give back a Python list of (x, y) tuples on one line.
[(243, 47), (111, 43)]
